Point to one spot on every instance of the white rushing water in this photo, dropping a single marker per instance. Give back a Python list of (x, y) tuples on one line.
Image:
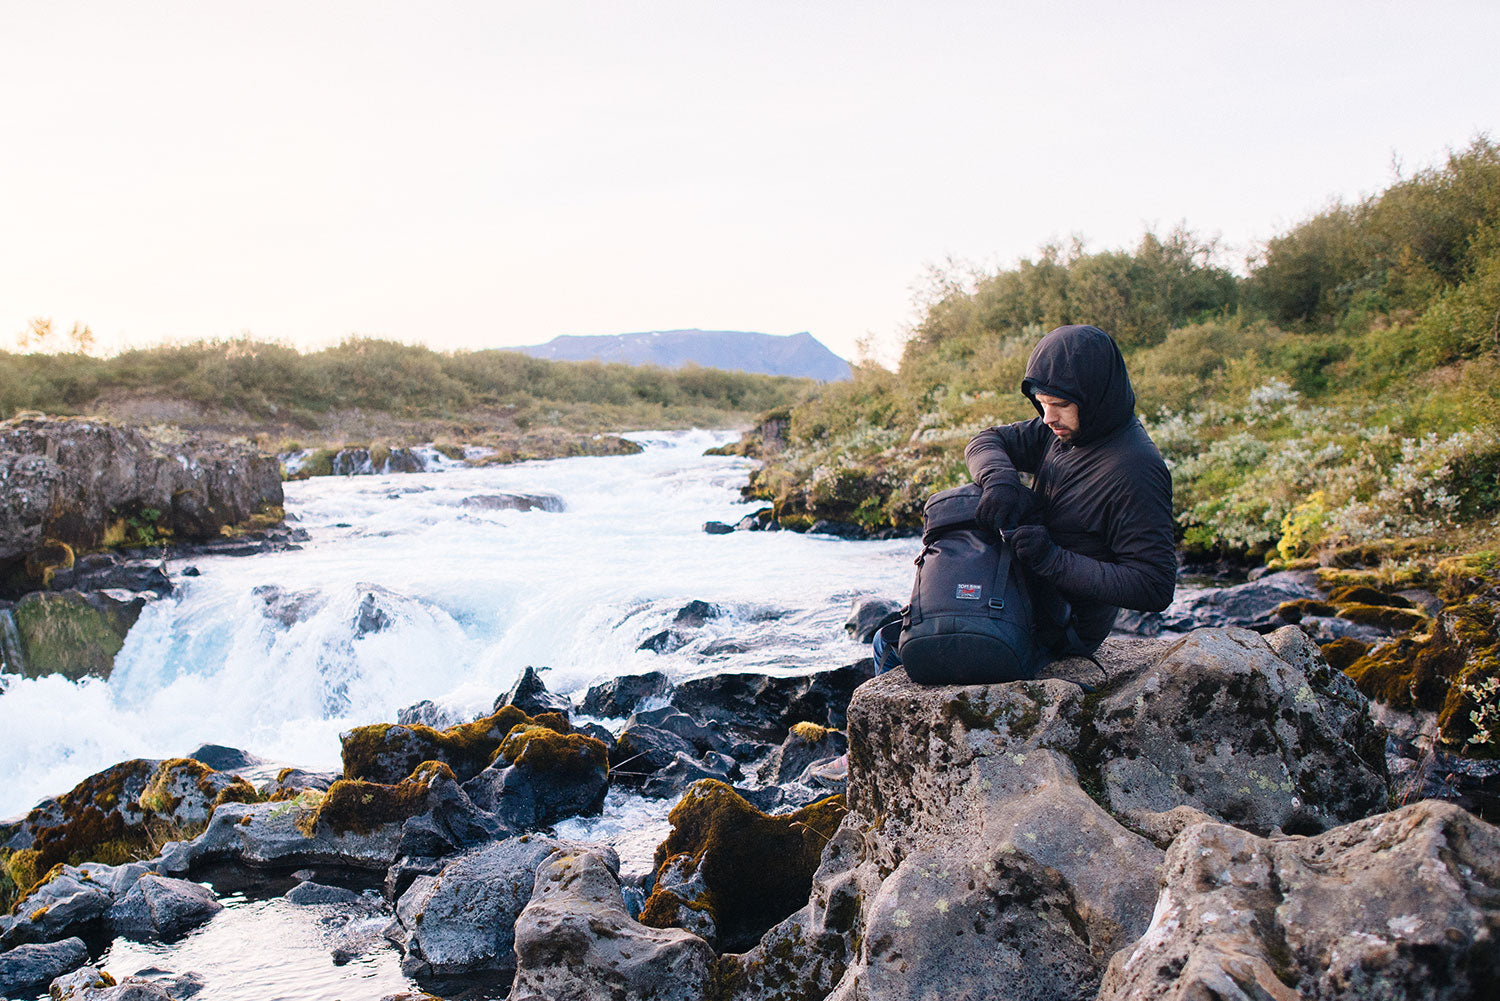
[(412, 587)]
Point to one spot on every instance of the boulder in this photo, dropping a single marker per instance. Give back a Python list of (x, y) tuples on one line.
[(114, 571), (308, 894), (540, 776), (428, 713), (762, 708), (462, 919), (71, 633), (702, 737), (514, 502), (865, 615), (805, 744), (716, 839), (575, 941), (642, 750), (184, 792), (685, 770), (27, 967), (68, 902), (103, 809), (387, 753), (159, 907), (621, 696), (76, 481), (717, 528), (696, 614), (1249, 605), (1225, 725), (289, 783), (91, 984), (1400, 905), (529, 694), (226, 759)]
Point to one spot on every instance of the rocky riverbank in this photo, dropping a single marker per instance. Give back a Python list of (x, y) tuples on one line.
[(1220, 817)]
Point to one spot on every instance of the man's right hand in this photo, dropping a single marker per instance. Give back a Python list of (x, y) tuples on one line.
[(1003, 506)]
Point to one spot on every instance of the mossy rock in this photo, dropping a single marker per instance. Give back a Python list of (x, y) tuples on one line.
[(1344, 651), (185, 792), (1360, 594), (561, 757), (353, 806), (727, 840), (386, 753), (1295, 611), (1382, 616), (70, 634), (98, 820), (48, 558)]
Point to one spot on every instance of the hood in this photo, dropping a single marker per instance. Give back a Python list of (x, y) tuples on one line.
[(1084, 365)]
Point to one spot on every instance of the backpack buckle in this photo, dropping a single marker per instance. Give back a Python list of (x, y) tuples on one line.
[(997, 603)]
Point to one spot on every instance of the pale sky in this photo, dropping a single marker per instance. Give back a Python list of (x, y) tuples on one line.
[(471, 175)]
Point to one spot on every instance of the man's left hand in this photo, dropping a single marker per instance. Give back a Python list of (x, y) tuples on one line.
[(1032, 544)]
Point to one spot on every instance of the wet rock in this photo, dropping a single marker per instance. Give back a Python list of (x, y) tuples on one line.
[(226, 759), (621, 696), (287, 607), (1251, 605), (805, 744), (83, 984), (838, 529), (68, 902), (575, 941), (529, 694), (462, 919), (1225, 725), (600, 734), (685, 770), (159, 907), (717, 528), (1135, 623), (32, 966), (664, 641), (71, 633), (866, 615), (641, 751), (762, 708), (372, 614), (1401, 905), (289, 783), (309, 893), (719, 837), (70, 480), (696, 614), (703, 738), (541, 776), (514, 502), (110, 571), (428, 713)]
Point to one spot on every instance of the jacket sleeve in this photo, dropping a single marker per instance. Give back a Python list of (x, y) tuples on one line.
[(997, 454), (1139, 531)]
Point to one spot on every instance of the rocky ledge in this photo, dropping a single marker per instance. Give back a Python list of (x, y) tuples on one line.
[(1217, 821), (74, 485)]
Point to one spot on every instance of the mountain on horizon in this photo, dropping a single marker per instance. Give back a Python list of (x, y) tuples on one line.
[(799, 354)]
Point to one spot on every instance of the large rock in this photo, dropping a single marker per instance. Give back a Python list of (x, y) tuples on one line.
[(1250, 605), (575, 941), (103, 809), (530, 695), (540, 776), (70, 633), (76, 480), (462, 919), (1402, 905), (621, 696), (160, 907), (717, 838), (760, 707), (865, 615), (388, 752), (65, 903), (32, 966), (1226, 726)]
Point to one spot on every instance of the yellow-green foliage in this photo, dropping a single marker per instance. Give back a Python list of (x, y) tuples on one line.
[(359, 807), (724, 837), (811, 732), (1383, 616)]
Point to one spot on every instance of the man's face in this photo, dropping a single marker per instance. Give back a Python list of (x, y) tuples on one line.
[(1060, 415)]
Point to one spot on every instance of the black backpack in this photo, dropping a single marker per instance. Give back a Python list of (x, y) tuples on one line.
[(970, 621)]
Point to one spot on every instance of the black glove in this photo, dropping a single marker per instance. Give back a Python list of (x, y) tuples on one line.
[(1032, 544), (1003, 506)]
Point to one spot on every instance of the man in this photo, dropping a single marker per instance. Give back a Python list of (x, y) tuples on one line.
[(1095, 530)]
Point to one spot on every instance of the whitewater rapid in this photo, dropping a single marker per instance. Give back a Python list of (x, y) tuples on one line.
[(415, 587)]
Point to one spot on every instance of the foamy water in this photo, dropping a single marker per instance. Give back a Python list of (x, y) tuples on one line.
[(405, 592)]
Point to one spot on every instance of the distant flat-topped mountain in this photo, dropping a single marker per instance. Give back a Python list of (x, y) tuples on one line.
[(736, 350)]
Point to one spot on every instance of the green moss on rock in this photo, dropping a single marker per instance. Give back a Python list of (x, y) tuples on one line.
[(1362, 594), (1344, 651), (725, 838), (565, 757), (388, 752), (64, 633), (1382, 616)]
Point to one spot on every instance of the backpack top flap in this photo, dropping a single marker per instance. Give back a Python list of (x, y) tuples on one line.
[(949, 509)]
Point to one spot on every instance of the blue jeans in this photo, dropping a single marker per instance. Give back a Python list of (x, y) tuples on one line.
[(886, 655)]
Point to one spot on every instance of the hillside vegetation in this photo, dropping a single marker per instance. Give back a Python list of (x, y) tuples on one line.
[(1345, 390), (363, 387)]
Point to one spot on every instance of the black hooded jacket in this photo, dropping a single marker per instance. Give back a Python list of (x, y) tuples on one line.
[(1106, 494)]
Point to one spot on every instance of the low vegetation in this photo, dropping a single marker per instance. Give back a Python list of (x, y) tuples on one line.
[(1346, 390), (364, 388)]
